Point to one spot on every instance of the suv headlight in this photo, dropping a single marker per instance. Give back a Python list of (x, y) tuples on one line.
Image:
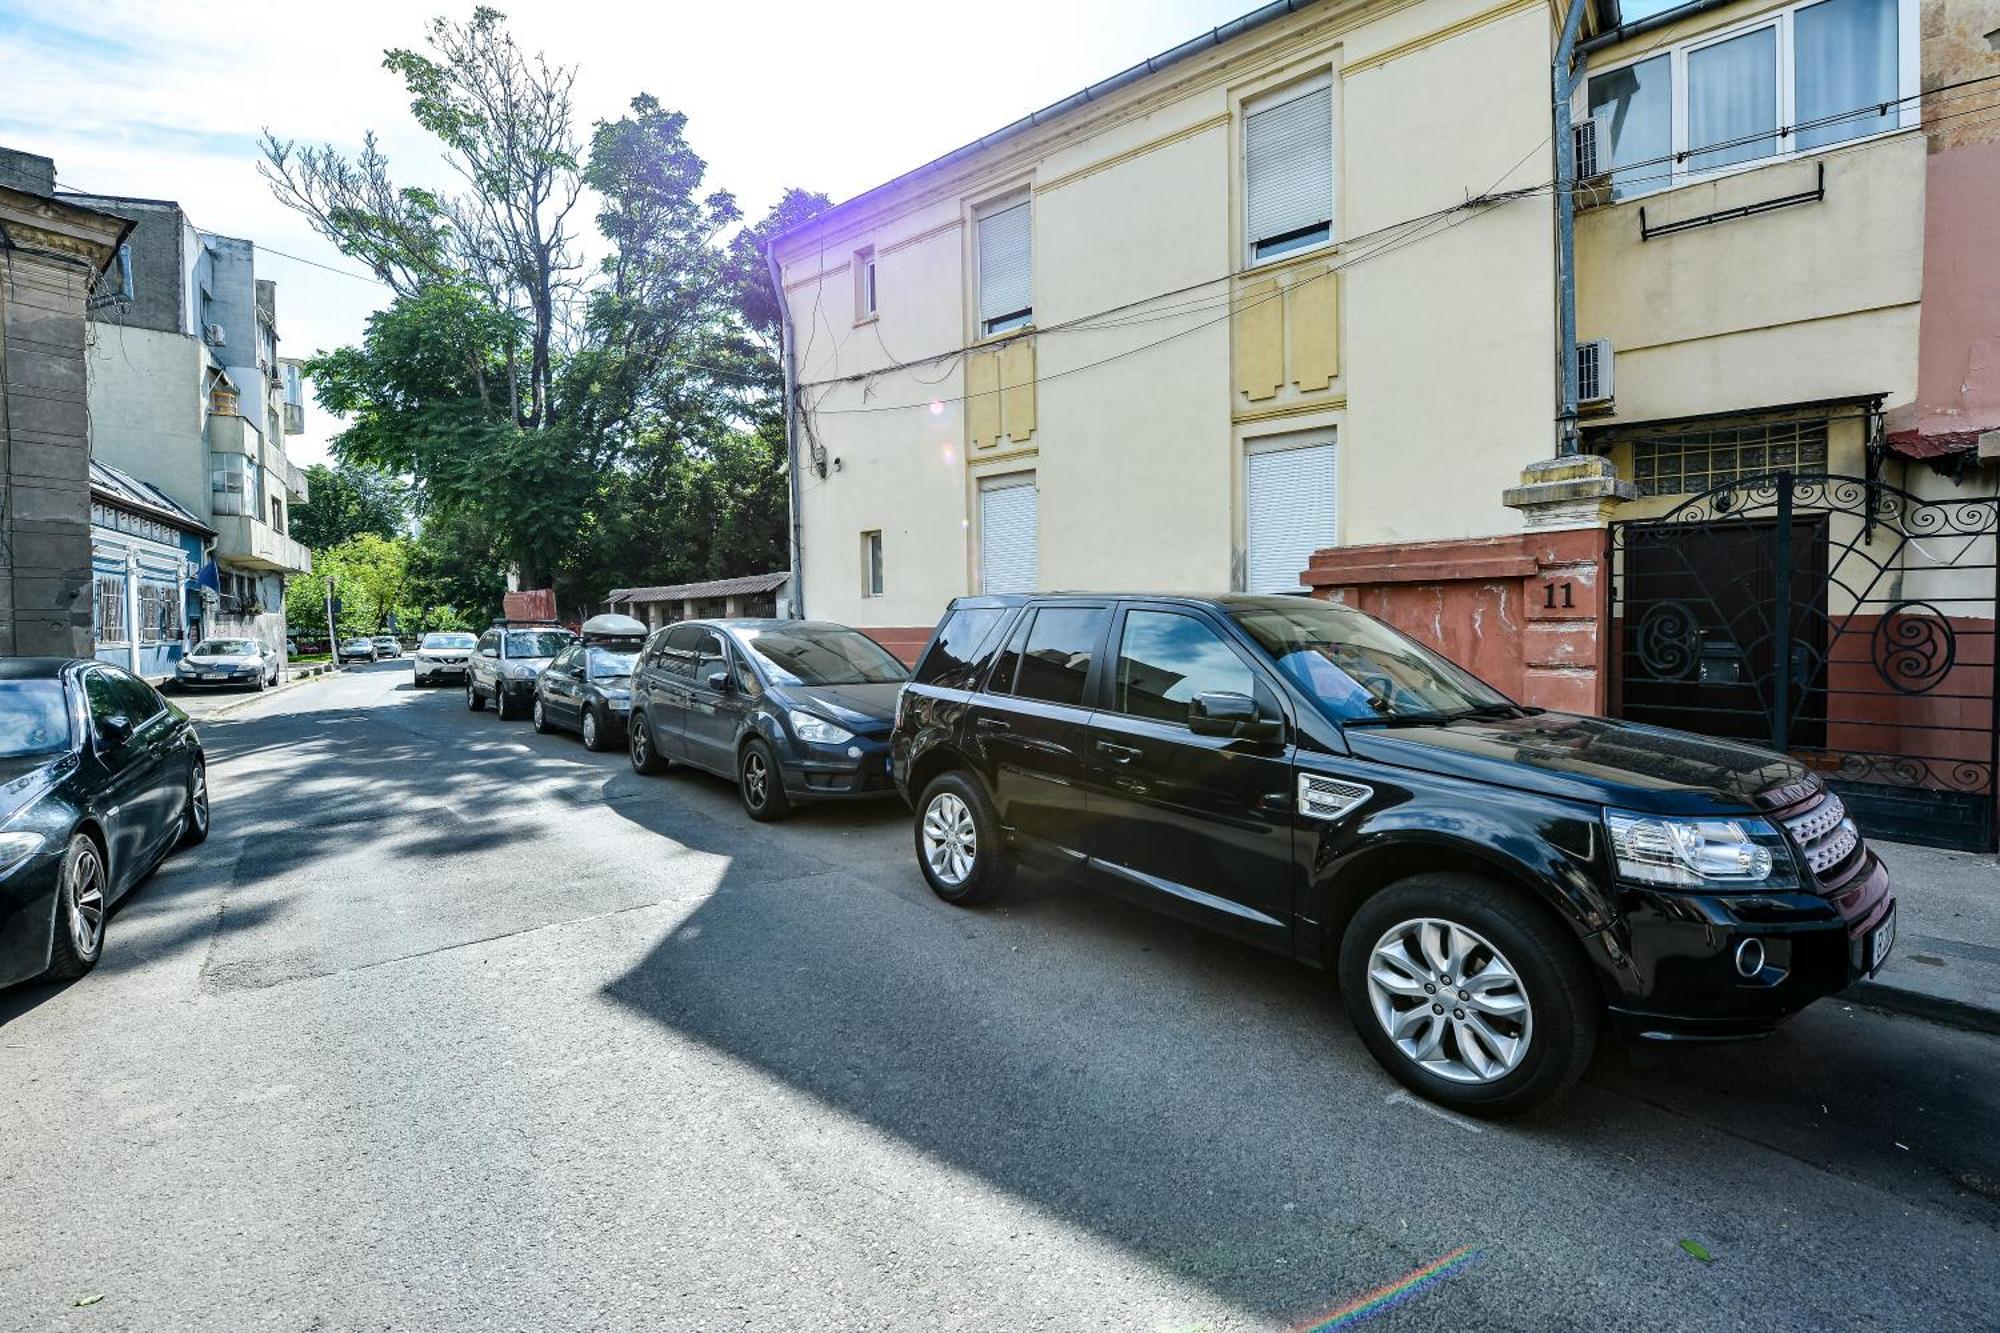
[(1700, 853), (812, 727)]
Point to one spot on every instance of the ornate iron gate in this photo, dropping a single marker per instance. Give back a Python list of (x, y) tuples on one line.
[(1843, 620)]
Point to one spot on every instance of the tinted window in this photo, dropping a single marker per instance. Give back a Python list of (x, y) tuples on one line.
[(956, 655), (1055, 658), (710, 657), (679, 655), (1357, 668), (134, 697), (1164, 660), (34, 718), (825, 657)]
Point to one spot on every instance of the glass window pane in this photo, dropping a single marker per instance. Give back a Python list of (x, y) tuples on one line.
[(1732, 96), (954, 659), (1056, 661), (1165, 660), (1634, 109), (1845, 51)]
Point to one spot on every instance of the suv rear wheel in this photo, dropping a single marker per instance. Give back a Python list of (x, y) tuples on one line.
[(1469, 992), (959, 846), (646, 756), (473, 700), (501, 708)]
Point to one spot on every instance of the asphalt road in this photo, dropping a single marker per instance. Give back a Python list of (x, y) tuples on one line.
[(454, 1026)]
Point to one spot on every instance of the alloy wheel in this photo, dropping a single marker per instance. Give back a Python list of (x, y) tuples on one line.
[(198, 798), (86, 901), (640, 743), (756, 779), (589, 730), (1451, 1002), (951, 842)]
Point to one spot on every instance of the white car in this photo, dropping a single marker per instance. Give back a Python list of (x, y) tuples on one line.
[(357, 650), (442, 656), (228, 662)]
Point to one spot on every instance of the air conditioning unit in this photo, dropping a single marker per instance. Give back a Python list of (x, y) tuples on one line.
[(1593, 373), (213, 335), (1586, 140)]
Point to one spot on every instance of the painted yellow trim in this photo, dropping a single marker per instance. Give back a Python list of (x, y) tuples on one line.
[(1317, 255), (1215, 122), (921, 237), (1505, 9), (1251, 415), (977, 467)]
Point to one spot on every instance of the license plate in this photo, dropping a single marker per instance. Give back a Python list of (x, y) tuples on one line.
[(1880, 941)]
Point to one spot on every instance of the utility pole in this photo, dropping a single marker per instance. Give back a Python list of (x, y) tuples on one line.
[(332, 643)]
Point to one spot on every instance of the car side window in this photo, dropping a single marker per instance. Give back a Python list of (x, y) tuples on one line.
[(710, 657), (1165, 659), (489, 643), (679, 657), (102, 699), (650, 655), (1056, 651), (566, 661), (960, 648)]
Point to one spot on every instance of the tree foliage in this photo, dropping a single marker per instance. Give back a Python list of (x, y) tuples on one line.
[(345, 501), (622, 425)]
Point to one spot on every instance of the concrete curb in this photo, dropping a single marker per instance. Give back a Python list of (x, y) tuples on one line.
[(294, 677), (1937, 1008)]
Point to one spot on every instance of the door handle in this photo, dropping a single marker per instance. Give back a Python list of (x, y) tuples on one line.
[(994, 724), (1118, 754)]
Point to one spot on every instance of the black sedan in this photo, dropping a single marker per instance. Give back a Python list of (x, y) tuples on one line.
[(100, 778), (587, 688), (792, 710)]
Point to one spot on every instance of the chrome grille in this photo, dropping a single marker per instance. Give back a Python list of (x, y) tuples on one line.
[(1824, 834)]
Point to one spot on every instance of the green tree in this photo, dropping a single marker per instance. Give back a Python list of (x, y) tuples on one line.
[(346, 500)]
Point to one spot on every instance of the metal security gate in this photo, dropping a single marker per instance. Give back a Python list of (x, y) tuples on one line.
[(1842, 620)]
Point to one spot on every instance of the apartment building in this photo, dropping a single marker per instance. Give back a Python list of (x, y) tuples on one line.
[(188, 393)]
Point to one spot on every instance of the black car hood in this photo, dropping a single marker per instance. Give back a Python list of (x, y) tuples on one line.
[(865, 709), (1592, 759), (23, 780)]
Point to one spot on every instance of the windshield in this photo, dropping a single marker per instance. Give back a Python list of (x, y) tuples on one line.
[(448, 641), (824, 657), (34, 719), (1360, 670), (224, 648), (537, 642), (610, 663)]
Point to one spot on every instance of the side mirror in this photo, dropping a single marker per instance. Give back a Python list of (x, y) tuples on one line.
[(1223, 713), (720, 682), (116, 729)]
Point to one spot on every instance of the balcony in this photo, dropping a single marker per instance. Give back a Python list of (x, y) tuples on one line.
[(233, 435), (256, 544)]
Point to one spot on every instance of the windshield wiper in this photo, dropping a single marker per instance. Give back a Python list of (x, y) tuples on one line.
[(1397, 720)]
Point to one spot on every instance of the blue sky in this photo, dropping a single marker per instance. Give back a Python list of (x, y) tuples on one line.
[(166, 100)]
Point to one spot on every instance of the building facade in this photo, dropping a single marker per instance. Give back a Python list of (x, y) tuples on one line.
[(147, 553), (189, 394), (53, 252)]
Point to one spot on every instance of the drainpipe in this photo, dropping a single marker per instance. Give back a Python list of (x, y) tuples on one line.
[(132, 612), (785, 342), (1563, 80)]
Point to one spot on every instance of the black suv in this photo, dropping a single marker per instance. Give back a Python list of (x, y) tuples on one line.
[(1489, 881)]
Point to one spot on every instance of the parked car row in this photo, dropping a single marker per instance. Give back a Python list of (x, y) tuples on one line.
[(1491, 884)]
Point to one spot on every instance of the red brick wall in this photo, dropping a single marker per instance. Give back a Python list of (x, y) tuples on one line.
[(1524, 613), (905, 641)]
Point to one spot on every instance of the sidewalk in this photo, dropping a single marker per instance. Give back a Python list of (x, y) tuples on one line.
[(1946, 964)]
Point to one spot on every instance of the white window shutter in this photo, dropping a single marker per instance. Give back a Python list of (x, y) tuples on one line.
[(1288, 165), (1009, 538), (1005, 268), (1290, 513)]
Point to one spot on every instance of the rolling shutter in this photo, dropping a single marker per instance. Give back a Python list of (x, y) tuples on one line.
[(1289, 513), (1008, 539), (1288, 165), (1005, 271)]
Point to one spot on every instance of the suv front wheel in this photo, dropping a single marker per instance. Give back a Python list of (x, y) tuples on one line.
[(1470, 993), (959, 846)]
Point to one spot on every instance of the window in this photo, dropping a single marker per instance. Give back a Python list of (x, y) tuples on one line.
[(277, 513), (233, 481), (489, 643), (955, 657), (1165, 659), (34, 718), (110, 609), (1289, 508), (871, 564), (294, 390), (711, 658), (1050, 659), (1802, 79), (678, 655), (864, 283), (1006, 270), (1689, 461), (1009, 536), (1288, 170), (814, 655)]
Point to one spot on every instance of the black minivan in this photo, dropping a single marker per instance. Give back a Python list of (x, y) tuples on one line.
[(1489, 881), (792, 710)]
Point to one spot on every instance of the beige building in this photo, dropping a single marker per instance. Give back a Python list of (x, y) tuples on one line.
[(1184, 329)]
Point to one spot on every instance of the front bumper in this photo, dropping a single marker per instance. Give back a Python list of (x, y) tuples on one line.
[(245, 677), (523, 690), (27, 917), (438, 670), (830, 773), (1676, 955)]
